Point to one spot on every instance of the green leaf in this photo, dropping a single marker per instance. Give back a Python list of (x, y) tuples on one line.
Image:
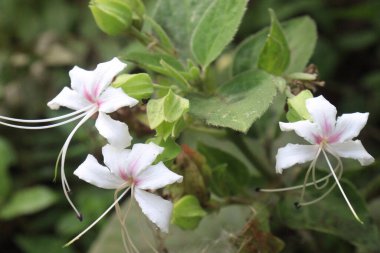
[(28, 201), (169, 108), (187, 212), (238, 103), (301, 36), (174, 106), (216, 29), (151, 61), (171, 148), (297, 107), (332, 216), (179, 21), (155, 112), (229, 174), (160, 32), (212, 234), (7, 158), (248, 52), (274, 58), (138, 86)]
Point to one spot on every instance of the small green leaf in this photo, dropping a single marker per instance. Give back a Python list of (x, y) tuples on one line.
[(301, 36), (332, 216), (187, 212), (297, 107), (238, 103), (274, 58), (155, 112), (138, 86), (28, 201), (174, 106), (169, 108), (216, 29)]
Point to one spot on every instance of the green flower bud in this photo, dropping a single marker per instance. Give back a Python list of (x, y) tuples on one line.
[(138, 86), (112, 16)]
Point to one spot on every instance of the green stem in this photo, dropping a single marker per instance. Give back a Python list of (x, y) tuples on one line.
[(146, 40), (242, 145)]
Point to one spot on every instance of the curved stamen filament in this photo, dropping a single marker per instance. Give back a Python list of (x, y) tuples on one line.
[(65, 146), (311, 168), (339, 170), (127, 241), (34, 121), (98, 219), (341, 189), (46, 126)]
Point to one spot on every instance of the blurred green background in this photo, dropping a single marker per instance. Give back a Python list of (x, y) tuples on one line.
[(40, 41)]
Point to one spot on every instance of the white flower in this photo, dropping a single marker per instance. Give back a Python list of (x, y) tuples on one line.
[(90, 94), (133, 168), (325, 134)]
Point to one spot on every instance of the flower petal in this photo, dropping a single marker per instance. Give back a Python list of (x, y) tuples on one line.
[(157, 176), (68, 98), (112, 99), (115, 158), (114, 131), (157, 209), (323, 113), (304, 128), (105, 72), (94, 173), (81, 79), (348, 126), (351, 149), (292, 154), (141, 157)]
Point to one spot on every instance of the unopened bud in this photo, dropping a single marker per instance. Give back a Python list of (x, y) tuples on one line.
[(112, 16)]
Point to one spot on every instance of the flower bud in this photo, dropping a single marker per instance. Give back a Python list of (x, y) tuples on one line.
[(112, 16)]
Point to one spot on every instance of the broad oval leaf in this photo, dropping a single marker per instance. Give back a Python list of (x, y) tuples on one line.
[(216, 29), (238, 103)]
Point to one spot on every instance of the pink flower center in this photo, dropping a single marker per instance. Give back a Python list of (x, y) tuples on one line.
[(92, 95)]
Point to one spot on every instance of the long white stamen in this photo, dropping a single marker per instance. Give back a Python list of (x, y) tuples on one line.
[(339, 170), (33, 121), (65, 146), (98, 219), (341, 189), (44, 127), (295, 187)]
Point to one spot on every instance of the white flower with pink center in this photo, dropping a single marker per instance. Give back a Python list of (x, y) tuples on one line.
[(326, 135), (132, 170), (90, 93)]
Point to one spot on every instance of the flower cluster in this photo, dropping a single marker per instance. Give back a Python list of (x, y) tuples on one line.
[(91, 94)]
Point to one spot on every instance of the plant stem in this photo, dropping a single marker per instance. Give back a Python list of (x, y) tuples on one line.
[(146, 40)]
